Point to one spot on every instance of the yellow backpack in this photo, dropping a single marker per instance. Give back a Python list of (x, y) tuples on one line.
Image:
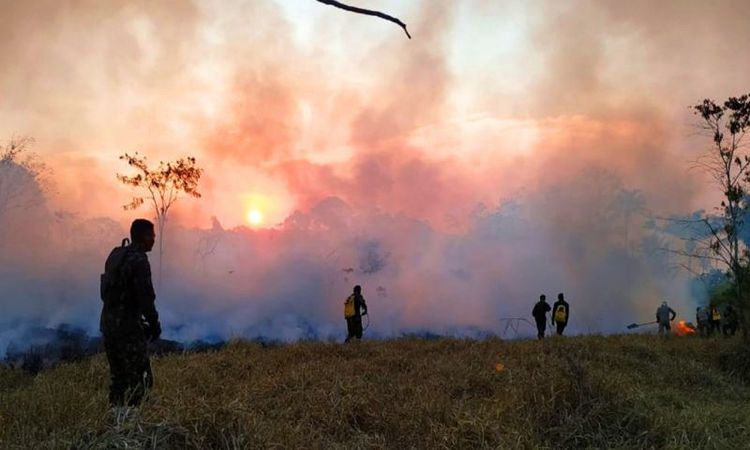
[(560, 314), (349, 307), (715, 314)]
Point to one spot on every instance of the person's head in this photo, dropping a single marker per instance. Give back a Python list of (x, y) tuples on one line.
[(560, 296), (542, 298), (664, 303), (142, 234), (357, 289)]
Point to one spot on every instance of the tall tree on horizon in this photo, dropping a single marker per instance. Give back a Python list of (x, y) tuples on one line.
[(164, 185), (716, 237)]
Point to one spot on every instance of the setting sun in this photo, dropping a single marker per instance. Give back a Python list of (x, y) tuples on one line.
[(255, 217)]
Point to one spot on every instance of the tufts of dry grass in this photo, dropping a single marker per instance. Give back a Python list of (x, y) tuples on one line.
[(582, 392)]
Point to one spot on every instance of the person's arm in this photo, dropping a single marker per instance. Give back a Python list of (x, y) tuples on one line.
[(364, 306), (674, 314), (145, 296)]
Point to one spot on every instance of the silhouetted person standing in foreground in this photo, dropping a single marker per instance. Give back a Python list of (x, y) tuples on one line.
[(560, 313), (541, 308), (665, 315), (129, 319), (354, 308)]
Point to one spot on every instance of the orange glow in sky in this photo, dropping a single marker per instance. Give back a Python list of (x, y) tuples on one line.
[(488, 99)]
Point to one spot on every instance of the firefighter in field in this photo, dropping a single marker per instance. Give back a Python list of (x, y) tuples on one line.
[(354, 308), (129, 319), (730, 321), (560, 313), (715, 320), (540, 310), (701, 316), (665, 315)]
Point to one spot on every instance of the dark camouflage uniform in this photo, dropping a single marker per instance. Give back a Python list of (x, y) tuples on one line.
[(125, 339)]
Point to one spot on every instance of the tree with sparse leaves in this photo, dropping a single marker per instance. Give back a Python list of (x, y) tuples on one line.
[(716, 237), (163, 185)]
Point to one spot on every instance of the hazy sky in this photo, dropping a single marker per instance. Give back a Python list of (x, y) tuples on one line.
[(284, 102), (288, 102)]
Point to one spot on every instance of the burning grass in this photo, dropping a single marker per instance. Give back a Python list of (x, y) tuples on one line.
[(619, 391), (684, 329)]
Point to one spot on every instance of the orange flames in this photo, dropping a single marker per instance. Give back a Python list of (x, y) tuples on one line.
[(684, 329)]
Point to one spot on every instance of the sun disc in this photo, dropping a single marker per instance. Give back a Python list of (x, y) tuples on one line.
[(255, 217)]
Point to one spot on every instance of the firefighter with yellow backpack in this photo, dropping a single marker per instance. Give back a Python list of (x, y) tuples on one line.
[(715, 320), (560, 313), (354, 308)]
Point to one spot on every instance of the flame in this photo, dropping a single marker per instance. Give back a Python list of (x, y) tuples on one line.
[(684, 329)]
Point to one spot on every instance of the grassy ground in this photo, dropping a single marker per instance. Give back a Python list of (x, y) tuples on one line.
[(583, 392)]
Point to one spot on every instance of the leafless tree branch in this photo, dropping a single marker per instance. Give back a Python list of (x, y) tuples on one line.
[(367, 12)]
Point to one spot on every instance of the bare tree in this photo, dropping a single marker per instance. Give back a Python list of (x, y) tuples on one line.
[(208, 240), (163, 186), (630, 202), (22, 182), (367, 12)]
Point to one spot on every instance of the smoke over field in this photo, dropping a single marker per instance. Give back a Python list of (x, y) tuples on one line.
[(507, 150)]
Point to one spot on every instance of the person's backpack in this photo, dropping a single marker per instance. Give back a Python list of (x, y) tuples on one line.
[(715, 314), (112, 287), (560, 314), (349, 307)]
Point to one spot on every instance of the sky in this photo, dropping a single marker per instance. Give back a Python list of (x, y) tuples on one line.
[(474, 166)]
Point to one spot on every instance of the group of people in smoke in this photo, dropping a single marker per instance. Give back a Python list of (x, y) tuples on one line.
[(129, 319), (716, 320), (560, 314), (711, 319)]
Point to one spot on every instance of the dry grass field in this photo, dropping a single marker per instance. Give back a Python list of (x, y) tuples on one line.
[(580, 392)]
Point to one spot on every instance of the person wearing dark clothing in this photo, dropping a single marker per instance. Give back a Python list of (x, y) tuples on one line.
[(665, 315), (129, 318), (541, 308), (731, 320), (701, 317), (354, 308), (560, 313)]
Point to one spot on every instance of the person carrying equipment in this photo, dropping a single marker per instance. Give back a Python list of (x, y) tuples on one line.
[(560, 313), (129, 319), (354, 308), (541, 308), (664, 315), (715, 320)]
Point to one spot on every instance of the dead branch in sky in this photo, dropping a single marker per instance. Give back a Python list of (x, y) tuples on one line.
[(367, 12)]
